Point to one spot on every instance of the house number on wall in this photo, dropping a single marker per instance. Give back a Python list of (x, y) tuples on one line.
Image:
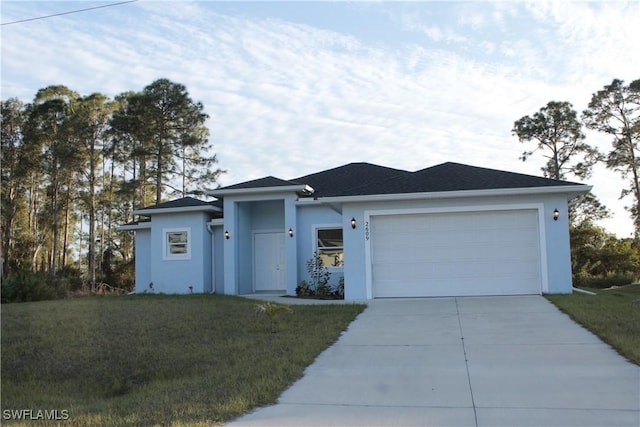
[(366, 230)]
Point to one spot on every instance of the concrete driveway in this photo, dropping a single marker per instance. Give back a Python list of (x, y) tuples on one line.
[(488, 361)]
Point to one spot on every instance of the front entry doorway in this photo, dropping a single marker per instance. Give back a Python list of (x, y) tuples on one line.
[(268, 261)]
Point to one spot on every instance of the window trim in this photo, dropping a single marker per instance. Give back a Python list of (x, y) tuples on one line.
[(166, 255), (316, 249)]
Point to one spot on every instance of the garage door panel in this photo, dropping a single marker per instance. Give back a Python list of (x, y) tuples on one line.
[(450, 254)]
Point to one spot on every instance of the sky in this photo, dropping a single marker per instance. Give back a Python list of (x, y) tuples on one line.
[(297, 87)]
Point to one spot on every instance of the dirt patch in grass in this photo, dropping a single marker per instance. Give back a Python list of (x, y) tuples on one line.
[(612, 314), (157, 360)]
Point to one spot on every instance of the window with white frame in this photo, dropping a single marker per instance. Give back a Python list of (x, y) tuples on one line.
[(330, 246), (177, 243)]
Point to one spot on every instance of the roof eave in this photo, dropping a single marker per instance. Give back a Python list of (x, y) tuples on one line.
[(302, 188), (133, 227), (183, 209), (570, 190)]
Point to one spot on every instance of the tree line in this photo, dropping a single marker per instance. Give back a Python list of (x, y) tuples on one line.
[(598, 257), (74, 167)]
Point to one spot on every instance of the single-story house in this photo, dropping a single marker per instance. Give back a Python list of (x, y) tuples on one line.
[(447, 230)]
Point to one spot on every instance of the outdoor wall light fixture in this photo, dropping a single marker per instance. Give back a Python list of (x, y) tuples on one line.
[(290, 232), (556, 214), (227, 235), (353, 223)]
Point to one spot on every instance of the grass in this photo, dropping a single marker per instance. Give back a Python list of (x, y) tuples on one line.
[(196, 360), (613, 315)]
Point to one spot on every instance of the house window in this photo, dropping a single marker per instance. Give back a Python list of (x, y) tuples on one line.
[(177, 244), (330, 246)]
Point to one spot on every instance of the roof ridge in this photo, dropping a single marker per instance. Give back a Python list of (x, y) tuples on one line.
[(185, 201), (361, 178), (246, 184), (344, 166), (349, 177), (400, 173), (502, 171)]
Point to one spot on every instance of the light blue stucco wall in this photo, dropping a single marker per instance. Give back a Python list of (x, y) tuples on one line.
[(143, 259), (218, 258), (267, 215), (306, 218), (244, 254), (291, 244), (554, 241), (230, 249), (245, 215), (557, 246), (310, 218), (354, 253), (228, 264), (175, 276)]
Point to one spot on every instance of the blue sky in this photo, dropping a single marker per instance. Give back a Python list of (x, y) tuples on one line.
[(297, 87)]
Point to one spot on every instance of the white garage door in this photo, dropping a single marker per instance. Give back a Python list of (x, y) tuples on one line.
[(455, 254)]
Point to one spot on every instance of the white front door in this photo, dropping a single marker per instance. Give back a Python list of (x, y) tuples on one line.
[(268, 261)]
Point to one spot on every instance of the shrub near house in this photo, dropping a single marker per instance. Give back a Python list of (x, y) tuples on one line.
[(318, 285)]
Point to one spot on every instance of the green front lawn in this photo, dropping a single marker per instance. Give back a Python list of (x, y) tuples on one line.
[(613, 315), (157, 360)]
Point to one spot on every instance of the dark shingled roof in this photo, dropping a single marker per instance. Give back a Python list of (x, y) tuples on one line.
[(269, 181), (357, 179), (138, 222), (455, 176), (182, 203), (350, 179), (360, 179)]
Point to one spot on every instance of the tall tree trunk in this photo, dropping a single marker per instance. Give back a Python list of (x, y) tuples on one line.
[(133, 179), (159, 177), (556, 162), (34, 258), (129, 202), (92, 244), (8, 215), (103, 238), (50, 263), (109, 204), (33, 220), (67, 220), (143, 182), (92, 220), (4, 258), (80, 248), (636, 189), (627, 142), (184, 170), (54, 246)]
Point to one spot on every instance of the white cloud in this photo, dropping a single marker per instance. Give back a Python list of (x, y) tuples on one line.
[(288, 99), (416, 23)]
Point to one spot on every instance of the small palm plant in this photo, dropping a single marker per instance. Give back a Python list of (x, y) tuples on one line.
[(272, 310)]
